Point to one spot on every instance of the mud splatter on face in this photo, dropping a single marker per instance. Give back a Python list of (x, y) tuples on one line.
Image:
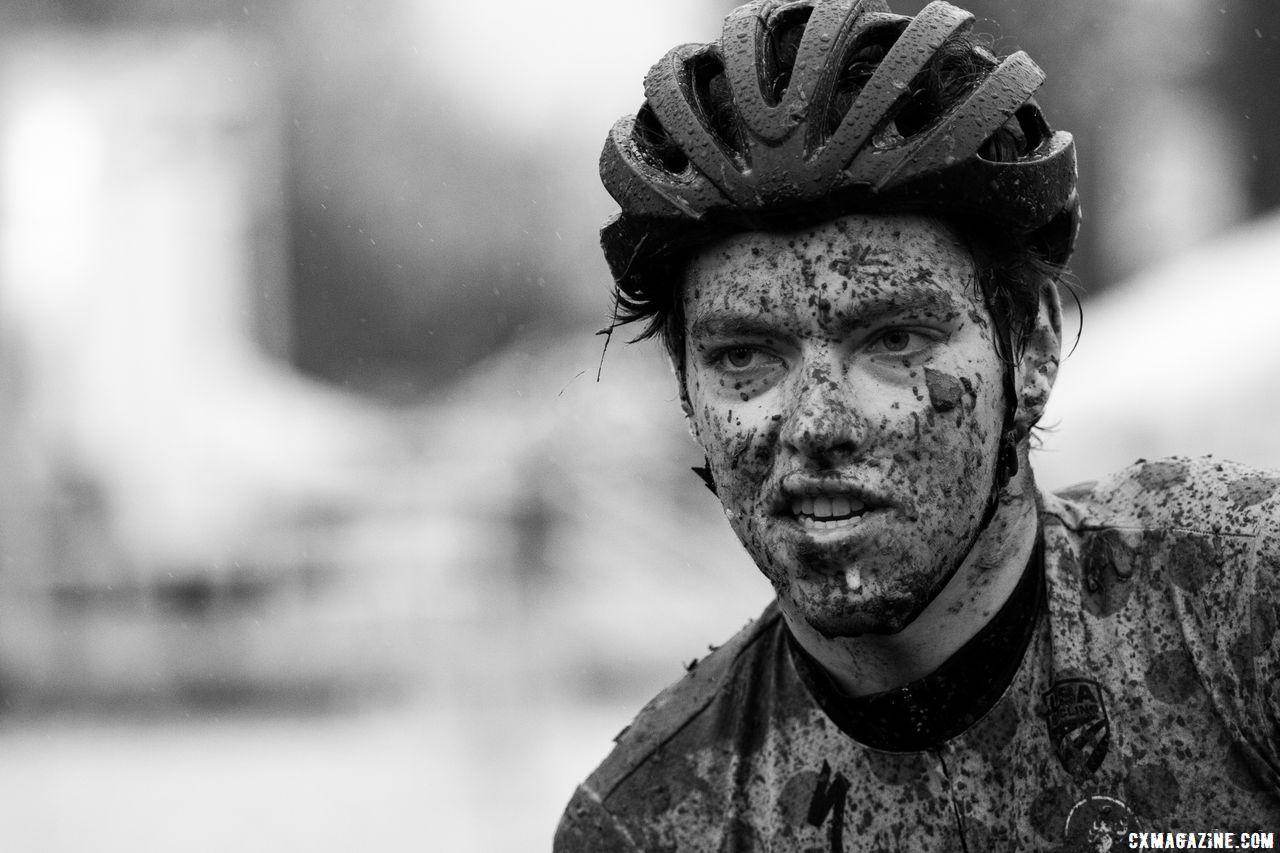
[(818, 365), (945, 391)]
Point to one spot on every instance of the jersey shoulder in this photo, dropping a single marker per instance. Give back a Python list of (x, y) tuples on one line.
[(676, 706), (1201, 494)]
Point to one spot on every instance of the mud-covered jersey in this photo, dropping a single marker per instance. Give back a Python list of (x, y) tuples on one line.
[(1148, 699)]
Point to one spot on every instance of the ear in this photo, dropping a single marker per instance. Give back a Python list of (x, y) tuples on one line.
[(1038, 368)]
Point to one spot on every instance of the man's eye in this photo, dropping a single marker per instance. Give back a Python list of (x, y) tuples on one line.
[(740, 358), (896, 340), (902, 340)]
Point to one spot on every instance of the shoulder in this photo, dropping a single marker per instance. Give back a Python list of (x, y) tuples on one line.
[(1170, 570), (1203, 495), (617, 808), (679, 704), (1199, 537), (1208, 526)]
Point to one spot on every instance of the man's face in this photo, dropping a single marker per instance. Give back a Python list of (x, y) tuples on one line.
[(845, 384)]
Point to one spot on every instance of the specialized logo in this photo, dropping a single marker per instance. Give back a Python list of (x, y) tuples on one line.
[(1099, 825), (1079, 730), (829, 797)]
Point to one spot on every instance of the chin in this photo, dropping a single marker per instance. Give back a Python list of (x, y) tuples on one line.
[(834, 626), (887, 600), (833, 619)]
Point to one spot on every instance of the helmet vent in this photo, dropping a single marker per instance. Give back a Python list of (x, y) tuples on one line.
[(1035, 130), (781, 44), (860, 63), (715, 102), (654, 143), (961, 67), (805, 109), (1017, 137), (916, 114), (1054, 239)]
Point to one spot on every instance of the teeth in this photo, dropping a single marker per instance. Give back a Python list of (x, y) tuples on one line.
[(825, 509), (808, 522)]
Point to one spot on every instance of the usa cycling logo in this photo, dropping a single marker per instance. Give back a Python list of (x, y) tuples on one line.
[(1079, 730)]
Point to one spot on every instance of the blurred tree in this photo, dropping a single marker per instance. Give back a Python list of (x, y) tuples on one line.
[(103, 13), (1244, 80), (419, 234), (419, 237)]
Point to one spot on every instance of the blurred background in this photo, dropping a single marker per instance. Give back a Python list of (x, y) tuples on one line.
[(326, 520)]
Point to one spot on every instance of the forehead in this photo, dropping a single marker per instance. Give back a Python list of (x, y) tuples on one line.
[(854, 265)]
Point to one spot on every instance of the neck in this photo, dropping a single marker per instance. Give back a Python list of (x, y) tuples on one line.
[(980, 586)]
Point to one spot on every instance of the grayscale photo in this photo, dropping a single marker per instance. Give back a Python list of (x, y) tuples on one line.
[(799, 425)]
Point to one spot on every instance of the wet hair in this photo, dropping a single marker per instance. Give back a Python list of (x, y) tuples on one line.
[(1012, 270)]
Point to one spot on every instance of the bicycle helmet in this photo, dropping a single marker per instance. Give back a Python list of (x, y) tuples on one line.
[(811, 109)]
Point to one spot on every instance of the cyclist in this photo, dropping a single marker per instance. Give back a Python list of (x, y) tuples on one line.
[(848, 228)]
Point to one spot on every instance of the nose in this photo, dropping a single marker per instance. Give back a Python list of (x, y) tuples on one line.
[(823, 426)]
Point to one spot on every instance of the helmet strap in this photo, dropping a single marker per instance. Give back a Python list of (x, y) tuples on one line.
[(1011, 434)]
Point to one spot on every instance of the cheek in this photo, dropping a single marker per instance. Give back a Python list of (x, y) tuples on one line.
[(739, 440), (959, 429), (967, 403), (743, 389)]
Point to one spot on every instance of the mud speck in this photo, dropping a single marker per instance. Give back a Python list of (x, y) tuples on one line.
[(1163, 474)]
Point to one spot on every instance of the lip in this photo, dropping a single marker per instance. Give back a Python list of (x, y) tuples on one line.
[(823, 535), (796, 487)]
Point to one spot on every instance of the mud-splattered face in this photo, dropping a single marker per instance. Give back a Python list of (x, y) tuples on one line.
[(845, 385)]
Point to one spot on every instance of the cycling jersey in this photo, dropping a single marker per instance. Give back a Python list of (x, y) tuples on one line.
[(1144, 695)]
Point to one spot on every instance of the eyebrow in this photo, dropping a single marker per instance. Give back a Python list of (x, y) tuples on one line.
[(730, 324), (907, 298)]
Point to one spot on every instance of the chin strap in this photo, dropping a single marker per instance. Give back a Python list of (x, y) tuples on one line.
[(1011, 436), (1006, 468)]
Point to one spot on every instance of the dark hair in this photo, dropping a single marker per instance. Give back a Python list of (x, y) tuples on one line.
[(1012, 270)]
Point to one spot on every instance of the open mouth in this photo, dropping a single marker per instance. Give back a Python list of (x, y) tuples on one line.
[(827, 512)]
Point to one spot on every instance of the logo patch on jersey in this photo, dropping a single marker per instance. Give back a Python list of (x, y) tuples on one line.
[(1099, 825), (1079, 730)]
